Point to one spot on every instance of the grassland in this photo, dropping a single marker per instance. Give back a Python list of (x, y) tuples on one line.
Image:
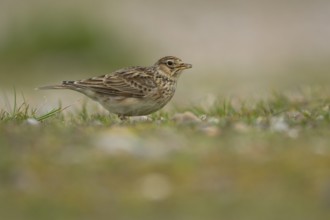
[(239, 159)]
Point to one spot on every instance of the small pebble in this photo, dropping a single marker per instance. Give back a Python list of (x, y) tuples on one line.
[(32, 121), (186, 118), (279, 124), (143, 118), (213, 120), (211, 131)]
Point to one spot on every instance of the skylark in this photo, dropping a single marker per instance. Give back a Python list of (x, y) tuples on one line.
[(132, 91)]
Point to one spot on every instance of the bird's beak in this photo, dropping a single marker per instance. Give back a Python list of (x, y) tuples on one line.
[(185, 66)]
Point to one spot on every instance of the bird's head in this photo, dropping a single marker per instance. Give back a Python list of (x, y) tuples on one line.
[(172, 66)]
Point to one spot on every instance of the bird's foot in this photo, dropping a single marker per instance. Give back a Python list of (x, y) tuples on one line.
[(123, 118)]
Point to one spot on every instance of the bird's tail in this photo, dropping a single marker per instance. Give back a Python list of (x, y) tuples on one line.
[(64, 85)]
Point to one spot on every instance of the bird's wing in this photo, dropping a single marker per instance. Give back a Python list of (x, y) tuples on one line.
[(129, 82)]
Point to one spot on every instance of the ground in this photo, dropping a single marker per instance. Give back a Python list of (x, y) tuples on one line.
[(238, 159)]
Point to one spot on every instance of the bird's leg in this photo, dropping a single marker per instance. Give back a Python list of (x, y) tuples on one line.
[(123, 117)]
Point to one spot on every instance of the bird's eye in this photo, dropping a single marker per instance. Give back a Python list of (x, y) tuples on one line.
[(169, 63)]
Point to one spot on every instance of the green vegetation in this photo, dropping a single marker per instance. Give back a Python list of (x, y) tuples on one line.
[(237, 158), (46, 45), (44, 36), (261, 159)]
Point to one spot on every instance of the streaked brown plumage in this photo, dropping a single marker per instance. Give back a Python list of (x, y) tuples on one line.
[(132, 91)]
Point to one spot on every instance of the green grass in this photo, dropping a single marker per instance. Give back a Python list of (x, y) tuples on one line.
[(245, 159)]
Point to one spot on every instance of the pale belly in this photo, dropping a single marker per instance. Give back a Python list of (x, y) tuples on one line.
[(132, 106)]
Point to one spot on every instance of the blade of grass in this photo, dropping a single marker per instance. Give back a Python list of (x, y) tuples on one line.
[(15, 102), (51, 113)]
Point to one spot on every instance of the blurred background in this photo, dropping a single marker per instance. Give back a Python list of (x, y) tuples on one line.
[(233, 167), (240, 47)]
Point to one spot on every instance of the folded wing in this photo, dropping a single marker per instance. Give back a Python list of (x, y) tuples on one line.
[(131, 82)]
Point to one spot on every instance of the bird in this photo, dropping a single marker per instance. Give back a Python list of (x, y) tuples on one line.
[(131, 91)]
